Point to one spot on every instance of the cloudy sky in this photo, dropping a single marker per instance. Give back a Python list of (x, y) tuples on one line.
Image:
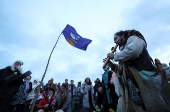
[(29, 30)]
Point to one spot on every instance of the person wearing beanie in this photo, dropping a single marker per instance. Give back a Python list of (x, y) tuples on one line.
[(9, 80), (50, 86)]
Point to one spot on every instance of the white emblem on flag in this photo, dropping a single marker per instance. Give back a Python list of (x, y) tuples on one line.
[(74, 38)]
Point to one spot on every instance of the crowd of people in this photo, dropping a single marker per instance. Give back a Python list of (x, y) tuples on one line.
[(53, 96), (136, 84)]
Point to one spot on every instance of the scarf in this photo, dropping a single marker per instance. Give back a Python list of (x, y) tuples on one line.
[(62, 98), (27, 86), (105, 79)]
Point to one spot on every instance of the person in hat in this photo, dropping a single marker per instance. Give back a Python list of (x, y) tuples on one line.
[(40, 97), (50, 86), (44, 104), (8, 76)]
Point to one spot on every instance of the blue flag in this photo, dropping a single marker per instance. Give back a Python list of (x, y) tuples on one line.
[(75, 39)]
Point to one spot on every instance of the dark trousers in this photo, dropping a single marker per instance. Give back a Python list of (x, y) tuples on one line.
[(15, 108), (105, 104), (3, 104), (26, 106)]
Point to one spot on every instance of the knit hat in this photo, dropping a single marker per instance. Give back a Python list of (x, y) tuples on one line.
[(51, 79), (50, 92), (19, 61)]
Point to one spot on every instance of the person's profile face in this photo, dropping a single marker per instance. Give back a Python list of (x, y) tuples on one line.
[(117, 39), (105, 69)]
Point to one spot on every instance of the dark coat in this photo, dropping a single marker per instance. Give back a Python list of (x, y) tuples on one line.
[(7, 86), (109, 85), (112, 91), (19, 97), (98, 99)]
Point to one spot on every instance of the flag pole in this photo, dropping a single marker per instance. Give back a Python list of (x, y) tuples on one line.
[(35, 99)]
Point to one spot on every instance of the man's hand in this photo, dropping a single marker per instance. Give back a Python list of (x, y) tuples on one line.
[(106, 86), (46, 106), (111, 55), (52, 107), (111, 65), (100, 89)]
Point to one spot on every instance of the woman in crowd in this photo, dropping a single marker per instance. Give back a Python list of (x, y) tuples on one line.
[(88, 99)]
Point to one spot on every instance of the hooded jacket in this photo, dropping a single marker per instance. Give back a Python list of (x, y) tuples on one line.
[(43, 102), (32, 93)]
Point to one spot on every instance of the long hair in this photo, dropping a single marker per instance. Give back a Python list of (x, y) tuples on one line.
[(89, 80), (98, 79)]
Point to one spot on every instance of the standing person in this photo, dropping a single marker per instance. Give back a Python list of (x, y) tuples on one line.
[(31, 95), (71, 87), (19, 98), (8, 83), (88, 100), (78, 103), (108, 91), (63, 100), (50, 86), (66, 82), (98, 96)]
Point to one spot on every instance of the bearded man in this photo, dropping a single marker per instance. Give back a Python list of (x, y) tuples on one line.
[(63, 100), (143, 82), (8, 82)]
